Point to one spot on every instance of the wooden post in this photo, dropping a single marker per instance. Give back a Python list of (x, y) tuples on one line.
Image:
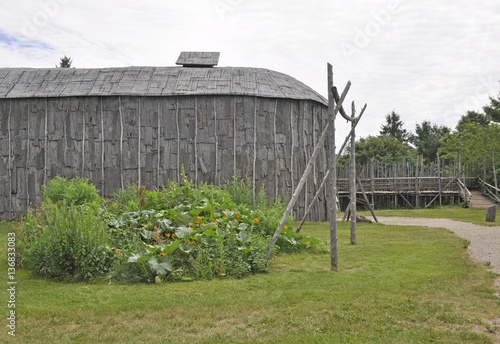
[(494, 172), (332, 195), (417, 198), (353, 181), (372, 177), (439, 181)]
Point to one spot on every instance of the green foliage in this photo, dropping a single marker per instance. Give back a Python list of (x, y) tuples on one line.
[(476, 144), (426, 139), (475, 117), (394, 128), (383, 149), (173, 234), (65, 62), (493, 109), (76, 191), (65, 241)]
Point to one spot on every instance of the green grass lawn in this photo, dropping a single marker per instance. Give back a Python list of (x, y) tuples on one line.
[(398, 285), (473, 215)]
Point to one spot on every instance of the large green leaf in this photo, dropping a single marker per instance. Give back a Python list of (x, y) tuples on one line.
[(244, 236)]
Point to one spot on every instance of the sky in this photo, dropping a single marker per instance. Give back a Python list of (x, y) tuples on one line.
[(425, 60)]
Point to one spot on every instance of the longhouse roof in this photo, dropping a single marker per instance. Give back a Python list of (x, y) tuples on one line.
[(151, 81)]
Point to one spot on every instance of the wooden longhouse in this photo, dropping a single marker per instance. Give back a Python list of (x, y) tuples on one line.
[(142, 125)]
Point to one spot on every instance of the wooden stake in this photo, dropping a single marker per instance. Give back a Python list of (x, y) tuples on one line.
[(331, 158), (10, 158), (353, 180)]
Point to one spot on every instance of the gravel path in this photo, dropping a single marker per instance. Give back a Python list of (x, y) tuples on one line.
[(484, 241)]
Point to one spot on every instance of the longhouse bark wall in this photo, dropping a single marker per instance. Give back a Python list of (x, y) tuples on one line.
[(115, 141)]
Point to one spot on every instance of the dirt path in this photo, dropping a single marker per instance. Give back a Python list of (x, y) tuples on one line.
[(484, 241)]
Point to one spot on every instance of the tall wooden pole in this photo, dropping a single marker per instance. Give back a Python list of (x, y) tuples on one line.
[(353, 181), (332, 194)]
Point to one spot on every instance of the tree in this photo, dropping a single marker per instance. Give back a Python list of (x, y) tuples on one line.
[(426, 139), (476, 144), (394, 128), (383, 149), (65, 62), (493, 110), (475, 117)]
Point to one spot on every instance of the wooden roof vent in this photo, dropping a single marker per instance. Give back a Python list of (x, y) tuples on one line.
[(198, 59)]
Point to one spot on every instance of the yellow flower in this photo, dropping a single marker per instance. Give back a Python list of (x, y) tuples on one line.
[(216, 223), (256, 219), (199, 217), (286, 227)]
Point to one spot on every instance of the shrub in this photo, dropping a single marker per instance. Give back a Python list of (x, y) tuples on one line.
[(77, 191), (65, 241)]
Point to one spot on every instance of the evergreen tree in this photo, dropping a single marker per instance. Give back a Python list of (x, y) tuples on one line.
[(394, 128), (65, 62)]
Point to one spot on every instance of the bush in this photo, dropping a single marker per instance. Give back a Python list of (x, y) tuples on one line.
[(65, 241), (77, 191), (177, 233)]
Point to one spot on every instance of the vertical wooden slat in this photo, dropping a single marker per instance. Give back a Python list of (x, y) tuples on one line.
[(121, 141), (10, 158), (139, 142), (217, 175), (275, 152), (28, 145), (195, 142), (83, 144), (178, 140), (235, 129), (158, 146), (46, 143), (102, 151), (254, 145)]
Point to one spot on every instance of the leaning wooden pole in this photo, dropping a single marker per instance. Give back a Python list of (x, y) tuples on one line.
[(302, 181), (332, 164)]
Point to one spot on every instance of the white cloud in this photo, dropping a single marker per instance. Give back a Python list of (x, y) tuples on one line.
[(422, 59)]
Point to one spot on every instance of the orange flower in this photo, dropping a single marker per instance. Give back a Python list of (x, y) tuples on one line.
[(168, 235), (164, 253), (237, 216), (173, 235), (199, 217), (286, 227), (154, 228), (175, 220), (256, 219), (191, 242), (191, 227), (216, 223)]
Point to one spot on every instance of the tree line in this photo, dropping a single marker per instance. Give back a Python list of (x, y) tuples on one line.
[(476, 139)]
